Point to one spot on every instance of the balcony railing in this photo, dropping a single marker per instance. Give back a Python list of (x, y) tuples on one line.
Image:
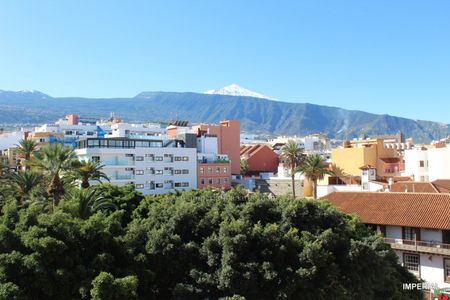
[(419, 246), (213, 161), (121, 177), (117, 162)]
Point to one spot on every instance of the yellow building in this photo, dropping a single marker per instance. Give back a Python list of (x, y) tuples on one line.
[(357, 153)]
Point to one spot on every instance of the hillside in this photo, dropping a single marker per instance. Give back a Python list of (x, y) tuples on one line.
[(256, 114)]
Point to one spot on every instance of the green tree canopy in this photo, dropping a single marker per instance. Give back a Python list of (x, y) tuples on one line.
[(194, 245)]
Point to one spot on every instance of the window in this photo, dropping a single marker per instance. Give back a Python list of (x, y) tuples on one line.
[(185, 184), (95, 158), (158, 158), (177, 158), (168, 171), (421, 163), (202, 170), (128, 155), (365, 186), (150, 171), (68, 132), (225, 180), (177, 184), (168, 157), (209, 170), (210, 181), (89, 133), (447, 269), (158, 172), (139, 158), (218, 180), (217, 170), (159, 185), (150, 185), (185, 171), (149, 157), (185, 158), (409, 233), (139, 172), (411, 262), (177, 171), (202, 181), (225, 169), (139, 186)]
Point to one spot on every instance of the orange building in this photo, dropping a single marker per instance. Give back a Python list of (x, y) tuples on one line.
[(228, 140), (214, 174), (357, 153), (260, 158)]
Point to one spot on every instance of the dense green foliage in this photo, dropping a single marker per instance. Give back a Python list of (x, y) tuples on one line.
[(192, 245)]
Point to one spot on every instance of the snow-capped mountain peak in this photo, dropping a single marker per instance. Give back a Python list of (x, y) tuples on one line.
[(236, 90)]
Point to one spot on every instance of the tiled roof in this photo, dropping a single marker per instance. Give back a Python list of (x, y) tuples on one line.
[(443, 185), (411, 187), (424, 210)]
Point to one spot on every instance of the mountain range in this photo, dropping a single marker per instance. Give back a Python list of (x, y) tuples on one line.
[(257, 114)]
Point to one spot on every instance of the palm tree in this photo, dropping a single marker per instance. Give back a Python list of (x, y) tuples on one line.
[(55, 161), (23, 182), (314, 168), (291, 157), (87, 170), (91, 202), (26, 148), (244, 166), (338, 172)]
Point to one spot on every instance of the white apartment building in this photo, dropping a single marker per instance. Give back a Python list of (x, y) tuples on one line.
[(68, 130), (415, 225), (427, 164), (137, 131), (153, 166)]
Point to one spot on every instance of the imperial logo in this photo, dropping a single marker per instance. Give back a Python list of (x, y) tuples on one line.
[(420, 286)]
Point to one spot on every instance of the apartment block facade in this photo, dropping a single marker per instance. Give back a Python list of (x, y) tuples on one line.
[(152, 166)]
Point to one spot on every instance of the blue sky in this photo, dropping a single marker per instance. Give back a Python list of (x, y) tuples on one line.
[(379, 56)]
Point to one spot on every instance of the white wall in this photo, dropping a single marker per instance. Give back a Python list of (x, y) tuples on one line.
[(323, 190), (431, 268), (412, 159), (207, 144), (112, 153), (439, 163)]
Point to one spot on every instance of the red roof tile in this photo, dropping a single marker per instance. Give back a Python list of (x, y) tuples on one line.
[(443, 185), (413, 187), (424, 210)]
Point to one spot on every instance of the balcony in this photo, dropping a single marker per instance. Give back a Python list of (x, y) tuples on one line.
[(117, 162), (419, 246), (121, 177), (213, 161)]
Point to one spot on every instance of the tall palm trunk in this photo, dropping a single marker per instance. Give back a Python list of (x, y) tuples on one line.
[(293, 181), (315, 188), (56, 189)]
